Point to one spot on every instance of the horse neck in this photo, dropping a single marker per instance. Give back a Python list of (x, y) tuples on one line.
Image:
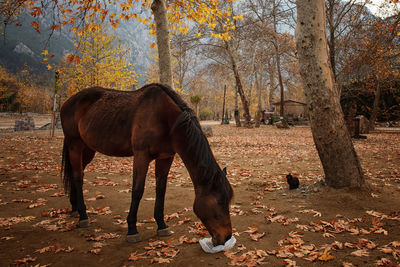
[(194, 149), (196, 169), (201, 165)]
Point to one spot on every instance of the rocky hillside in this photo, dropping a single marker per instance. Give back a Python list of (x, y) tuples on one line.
[(23, 46)]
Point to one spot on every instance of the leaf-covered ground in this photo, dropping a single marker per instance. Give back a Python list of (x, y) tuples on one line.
[(311, 226)]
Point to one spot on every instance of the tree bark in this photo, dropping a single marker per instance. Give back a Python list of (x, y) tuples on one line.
[(163, 44), (239, 87), (332, 139), (236, 112), (259, 108), (271, 71), (278, 62), (375, 107), (331, 43)]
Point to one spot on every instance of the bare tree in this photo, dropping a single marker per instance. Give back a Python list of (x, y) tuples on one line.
[(343, 18)]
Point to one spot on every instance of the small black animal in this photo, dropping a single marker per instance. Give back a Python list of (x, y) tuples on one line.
[(292, 181)]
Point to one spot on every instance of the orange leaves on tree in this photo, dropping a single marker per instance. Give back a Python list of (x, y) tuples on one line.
[(36, 11), (126, 6), (70, 58), (36, 26), (55, 27), (114, 23)]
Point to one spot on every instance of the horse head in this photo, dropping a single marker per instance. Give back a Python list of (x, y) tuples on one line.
[(211, 205)]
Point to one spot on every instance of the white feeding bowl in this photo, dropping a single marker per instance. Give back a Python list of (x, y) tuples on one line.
[(207, 245)]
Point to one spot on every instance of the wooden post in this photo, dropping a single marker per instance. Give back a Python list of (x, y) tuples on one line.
[(53, 119), (223, 107)]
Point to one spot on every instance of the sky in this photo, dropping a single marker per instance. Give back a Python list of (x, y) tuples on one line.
[(378, 8)]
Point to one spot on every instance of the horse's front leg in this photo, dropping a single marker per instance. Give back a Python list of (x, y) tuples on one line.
[(141, 164), (162, 169)]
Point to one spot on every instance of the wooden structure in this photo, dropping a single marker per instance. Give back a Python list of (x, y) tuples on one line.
[(291, 108)]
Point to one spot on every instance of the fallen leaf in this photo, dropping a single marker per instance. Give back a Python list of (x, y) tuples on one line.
[(134, 256), (252, 229), (159, 260), (327, 235), (316, 213), (98, 244), (326, 256), (395, 244), (289, 263), (386, 250), (360, 253), (169, 252), (25, 260), (385, 262), (95, 251), (347, 264), (257, 237)]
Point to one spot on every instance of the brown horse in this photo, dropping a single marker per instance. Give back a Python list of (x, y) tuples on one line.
[(152, 123)]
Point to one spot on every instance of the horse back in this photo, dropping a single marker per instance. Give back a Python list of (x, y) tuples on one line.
[(117, 122)]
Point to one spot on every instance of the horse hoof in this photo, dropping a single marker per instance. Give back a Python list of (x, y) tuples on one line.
[(84, 223), (164, 232), (133, 238), (74, 213)]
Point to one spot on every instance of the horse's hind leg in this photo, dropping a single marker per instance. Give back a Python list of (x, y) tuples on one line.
[(76, 149), (87, 157), (140, 167), (162, 169)]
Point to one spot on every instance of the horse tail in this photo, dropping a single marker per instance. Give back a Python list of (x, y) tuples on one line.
[(66, 168)]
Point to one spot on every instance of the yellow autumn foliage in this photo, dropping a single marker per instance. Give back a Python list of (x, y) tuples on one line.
[(102, 62)]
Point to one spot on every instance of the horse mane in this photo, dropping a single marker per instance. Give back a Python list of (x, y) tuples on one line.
[(208, 172)]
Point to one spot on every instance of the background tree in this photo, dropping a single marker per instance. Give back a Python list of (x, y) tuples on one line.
[(332, 140), (24, 91), (9, 87), (269, 20), (102, 62), (163, 42), (195, 100), (344, 18), (374, 60), (10, 10), (167, 14), (225, 48)]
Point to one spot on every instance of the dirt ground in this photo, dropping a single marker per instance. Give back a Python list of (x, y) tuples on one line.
[(314, 225)]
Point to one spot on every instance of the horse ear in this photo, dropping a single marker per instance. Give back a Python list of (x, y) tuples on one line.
[(224, 170)]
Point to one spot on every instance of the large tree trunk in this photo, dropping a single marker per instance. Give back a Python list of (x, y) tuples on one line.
[(332, 139), (163, 45)]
